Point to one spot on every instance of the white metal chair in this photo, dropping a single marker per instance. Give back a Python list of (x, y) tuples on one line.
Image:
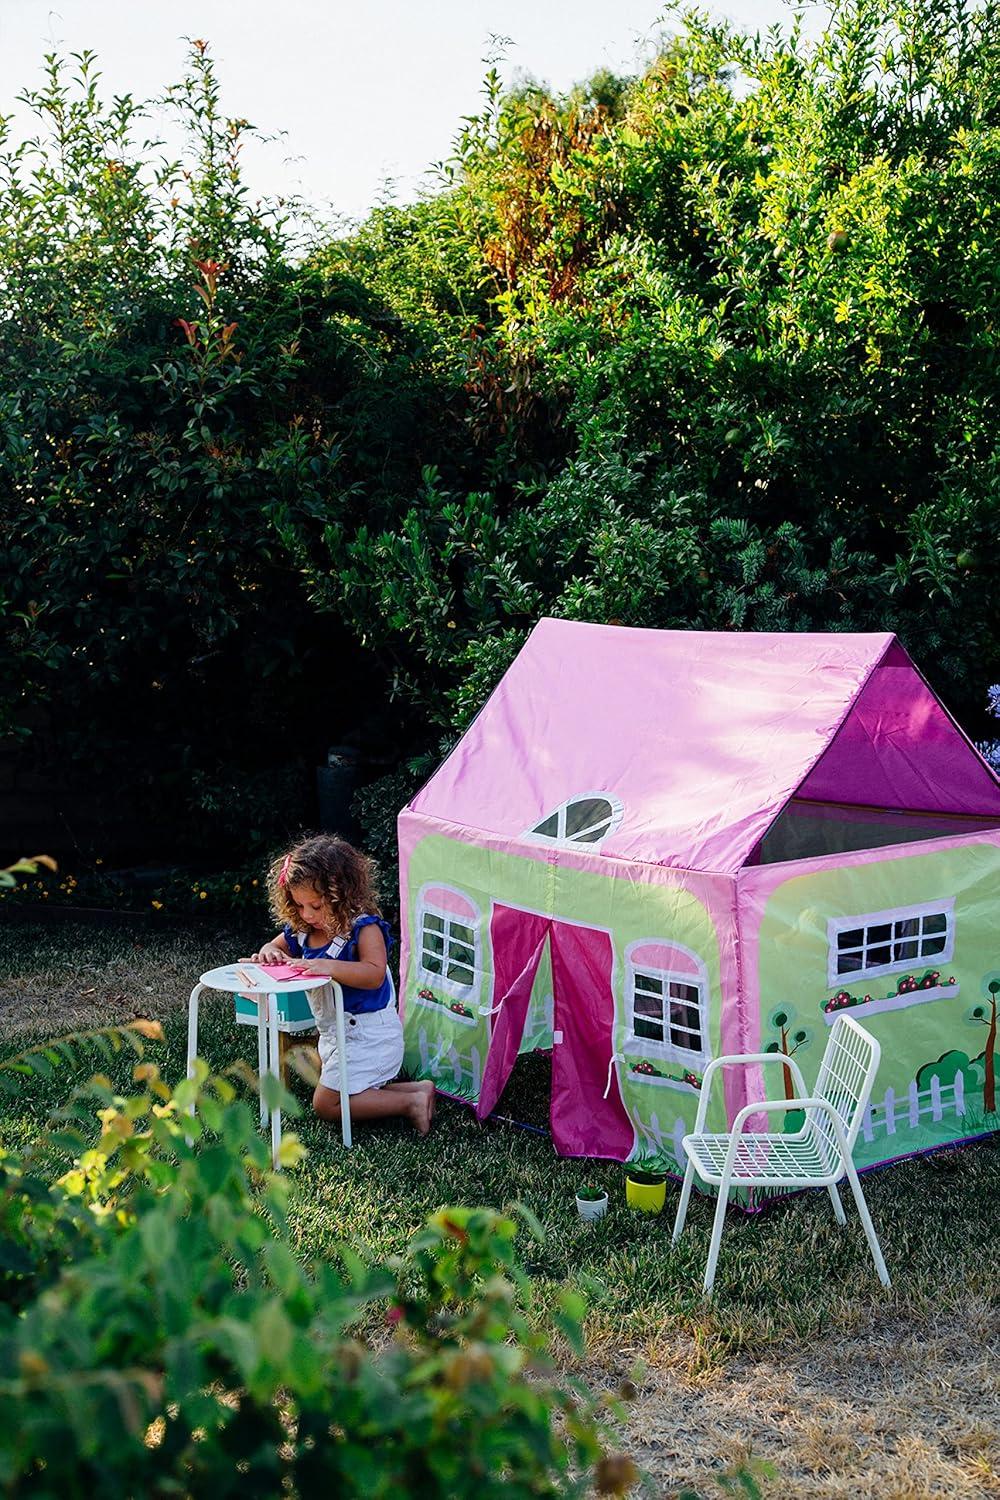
[(817, 1155)]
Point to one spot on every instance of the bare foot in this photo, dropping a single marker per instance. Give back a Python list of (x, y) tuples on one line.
[(421, 1112)]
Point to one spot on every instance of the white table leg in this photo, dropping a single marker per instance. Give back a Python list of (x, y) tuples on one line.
[(192, 1047), (274, 1068), (262, 1017), (345, 1097)]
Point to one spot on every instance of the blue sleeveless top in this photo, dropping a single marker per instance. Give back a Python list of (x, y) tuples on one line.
[(356, 1002)]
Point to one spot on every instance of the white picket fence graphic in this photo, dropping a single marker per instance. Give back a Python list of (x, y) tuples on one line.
[(660, 1142), (447, 1059), (893, 1112), (904, 1110)]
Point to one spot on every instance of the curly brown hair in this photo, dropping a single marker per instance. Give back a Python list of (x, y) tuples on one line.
[(338, 872)]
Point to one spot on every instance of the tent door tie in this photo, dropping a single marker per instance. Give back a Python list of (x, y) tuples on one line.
[(615, 1057), (484, 1010)]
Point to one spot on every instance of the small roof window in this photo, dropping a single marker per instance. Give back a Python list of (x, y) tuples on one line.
[(585, 819)]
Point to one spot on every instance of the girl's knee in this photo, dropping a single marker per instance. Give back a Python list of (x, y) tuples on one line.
[(326, 1103)]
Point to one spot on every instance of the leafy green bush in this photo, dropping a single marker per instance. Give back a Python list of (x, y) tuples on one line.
[(707, 348), (158, 340), (161, 1334), (735, 369), (158, 893)]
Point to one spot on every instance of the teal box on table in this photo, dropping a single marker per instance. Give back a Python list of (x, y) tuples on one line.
[(294, 1013)]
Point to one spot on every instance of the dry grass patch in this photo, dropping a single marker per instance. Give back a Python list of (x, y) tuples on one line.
[(67, 977), (902, 1414)]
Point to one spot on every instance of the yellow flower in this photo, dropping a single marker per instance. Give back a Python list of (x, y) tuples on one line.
[(202, 895), (253, 882), (236, 887), (157, 905)]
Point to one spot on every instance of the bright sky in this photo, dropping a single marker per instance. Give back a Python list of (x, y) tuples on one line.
[(365, 92)]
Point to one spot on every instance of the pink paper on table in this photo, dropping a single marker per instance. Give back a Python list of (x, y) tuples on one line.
[(284, 971)]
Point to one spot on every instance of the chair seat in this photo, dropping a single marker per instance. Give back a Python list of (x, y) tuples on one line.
[(768, 1157)]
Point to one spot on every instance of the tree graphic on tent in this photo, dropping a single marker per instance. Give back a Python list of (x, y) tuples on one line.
[(782, 1020), (986, 1015)]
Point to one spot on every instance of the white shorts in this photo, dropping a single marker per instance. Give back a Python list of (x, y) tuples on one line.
[(374, 1046)]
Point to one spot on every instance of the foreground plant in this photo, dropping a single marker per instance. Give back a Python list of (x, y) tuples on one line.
[(160, 1333)]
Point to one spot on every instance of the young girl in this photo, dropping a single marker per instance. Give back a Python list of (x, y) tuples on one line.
[(322, 893)]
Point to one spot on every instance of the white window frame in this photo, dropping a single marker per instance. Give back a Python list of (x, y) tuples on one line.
[(573, 840), (667, 1051), (447, 918), (836, 925)]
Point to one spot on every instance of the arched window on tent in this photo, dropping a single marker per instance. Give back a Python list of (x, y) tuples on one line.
[(666, 998), (448, 944), (586, 818)]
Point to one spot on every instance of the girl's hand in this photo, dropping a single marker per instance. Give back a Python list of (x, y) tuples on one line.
[(312, 965), (269, 954)]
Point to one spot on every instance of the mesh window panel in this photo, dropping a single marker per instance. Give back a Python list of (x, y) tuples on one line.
[(585, 813)]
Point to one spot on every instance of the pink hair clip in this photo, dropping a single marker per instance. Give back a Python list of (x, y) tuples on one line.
[(283, 872)]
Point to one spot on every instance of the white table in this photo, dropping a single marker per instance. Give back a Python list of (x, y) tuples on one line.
[(266, 991)]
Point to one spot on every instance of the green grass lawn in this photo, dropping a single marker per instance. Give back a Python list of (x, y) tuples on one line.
[(789, 1271)]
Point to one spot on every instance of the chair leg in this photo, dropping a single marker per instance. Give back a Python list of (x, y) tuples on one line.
[(682, 1206), (716, 1241), (838, 1207), (866, 1224)]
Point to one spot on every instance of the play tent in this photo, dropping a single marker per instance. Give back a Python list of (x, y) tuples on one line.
[(653, 847)]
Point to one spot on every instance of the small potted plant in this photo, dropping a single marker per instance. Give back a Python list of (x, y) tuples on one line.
[(591, 1202), (644, 1190)]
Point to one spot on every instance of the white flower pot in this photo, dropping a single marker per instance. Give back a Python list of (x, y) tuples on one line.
[(592, 1208)]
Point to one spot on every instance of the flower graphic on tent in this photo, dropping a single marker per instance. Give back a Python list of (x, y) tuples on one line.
[(643, 1068), (455, 1006), (907, 984)]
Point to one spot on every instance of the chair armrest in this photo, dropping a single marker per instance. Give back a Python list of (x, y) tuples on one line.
[(743, 1058), (770, 1105)]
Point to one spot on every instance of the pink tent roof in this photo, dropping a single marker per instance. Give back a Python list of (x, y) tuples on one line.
[(699, 739)]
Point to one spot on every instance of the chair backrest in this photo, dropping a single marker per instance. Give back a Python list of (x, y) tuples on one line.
[(846, 1075)]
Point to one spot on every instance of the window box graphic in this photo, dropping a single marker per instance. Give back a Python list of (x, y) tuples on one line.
[(641, 1070), (910, 991), (454, 1010)]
